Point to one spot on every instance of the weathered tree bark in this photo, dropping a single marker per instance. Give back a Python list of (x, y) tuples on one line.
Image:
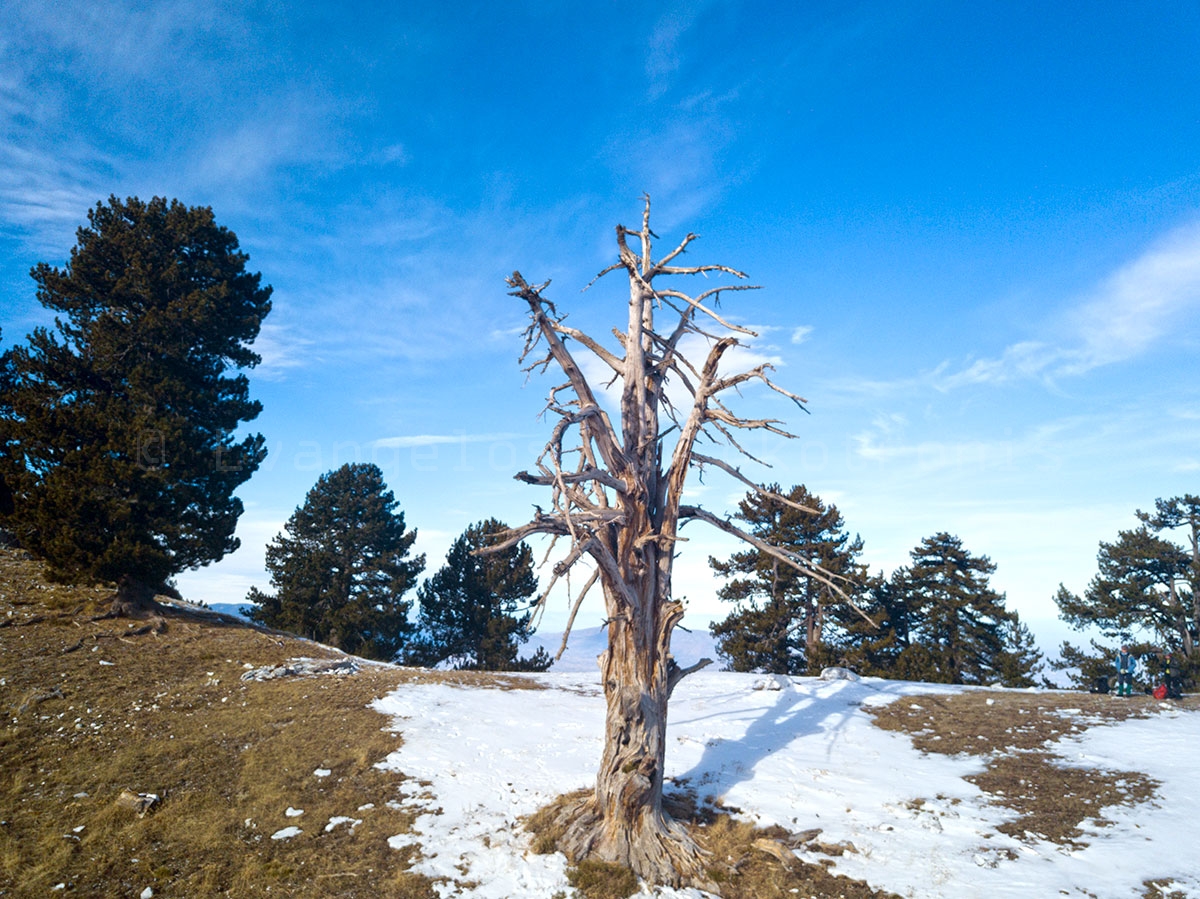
[(133, 599), (616, 498)]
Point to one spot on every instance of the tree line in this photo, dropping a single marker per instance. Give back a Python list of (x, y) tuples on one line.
[(342, 567), (120, 454), (936, 620)]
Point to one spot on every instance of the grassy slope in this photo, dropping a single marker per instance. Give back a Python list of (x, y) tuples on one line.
[(95, 707), (91, 710)]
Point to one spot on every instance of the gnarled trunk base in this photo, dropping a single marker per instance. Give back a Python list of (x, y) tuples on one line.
[(654, 846), (133, 599)]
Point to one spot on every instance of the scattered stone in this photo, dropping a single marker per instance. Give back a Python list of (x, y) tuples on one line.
[(322, 772), (293, 812), (338, 820), (142, 803), (776, 849), (837, 673), (286, 833), (773, 683), (302, 668), (148, 893)]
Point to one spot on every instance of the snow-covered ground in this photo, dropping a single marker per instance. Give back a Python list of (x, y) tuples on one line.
[(797, 752)]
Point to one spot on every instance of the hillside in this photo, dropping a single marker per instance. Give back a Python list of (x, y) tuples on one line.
[(378, 781)]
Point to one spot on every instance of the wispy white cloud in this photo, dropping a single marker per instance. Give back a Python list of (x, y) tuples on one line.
[(1129, 313), (800, 334), (662, 47), (281, 350), (411, 440), (1141, 302)]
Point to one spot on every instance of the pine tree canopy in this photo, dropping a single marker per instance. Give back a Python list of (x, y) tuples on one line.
[(780, 622), (474, 611), (1146, 586), (341, 567), (958, 629), (117, 424)]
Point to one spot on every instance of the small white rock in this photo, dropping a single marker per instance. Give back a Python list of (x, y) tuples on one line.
[(147, 893), (838, 673), (286, 833), (294, 812), (322, 772)]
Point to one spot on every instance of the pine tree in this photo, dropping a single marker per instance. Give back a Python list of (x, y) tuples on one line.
[(341, 567), (117, 424), (872, 645), (1183, 512), (1139, 587), (474, 611), (780, 623), (959, 629), (1020, 659), (1144, 589)]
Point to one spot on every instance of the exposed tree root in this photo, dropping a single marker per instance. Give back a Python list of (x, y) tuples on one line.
[(657, 848)]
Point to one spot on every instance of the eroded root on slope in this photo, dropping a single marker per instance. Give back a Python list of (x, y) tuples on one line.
[(739, 860), (657, 849)]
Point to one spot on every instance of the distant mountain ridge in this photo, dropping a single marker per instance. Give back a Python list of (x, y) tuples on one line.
[(585, 644)]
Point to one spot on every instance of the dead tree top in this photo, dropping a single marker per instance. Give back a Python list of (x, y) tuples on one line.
[(616, 488)]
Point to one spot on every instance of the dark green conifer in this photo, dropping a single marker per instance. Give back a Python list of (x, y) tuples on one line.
[(117, 424), (1145, 588), (959, 629), (779, 625), (341, 567), (474, 611)]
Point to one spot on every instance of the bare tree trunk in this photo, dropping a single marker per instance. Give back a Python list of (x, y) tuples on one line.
[(133, 599), (623, 820), (616, 496)]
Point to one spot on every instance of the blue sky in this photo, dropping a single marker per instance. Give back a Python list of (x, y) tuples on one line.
[(976, 226)]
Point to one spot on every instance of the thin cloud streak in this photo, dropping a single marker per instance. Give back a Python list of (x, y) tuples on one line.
[(1134, 309), (411, 440)]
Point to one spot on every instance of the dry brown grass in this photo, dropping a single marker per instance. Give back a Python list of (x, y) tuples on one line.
[(90, 711), (1013, 731)]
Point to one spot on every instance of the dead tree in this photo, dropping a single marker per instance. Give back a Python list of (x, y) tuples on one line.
[(615, 492)]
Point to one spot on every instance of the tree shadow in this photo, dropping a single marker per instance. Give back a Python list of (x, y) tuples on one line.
[(822, 708)]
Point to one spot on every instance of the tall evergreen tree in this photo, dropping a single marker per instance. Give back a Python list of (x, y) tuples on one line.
[(1144, 590), (872, 645), (1183, 512), (780, 622), (1020, 659), (959, 630), (341, 567), (474, 611), (1139, 587), (117, 424)]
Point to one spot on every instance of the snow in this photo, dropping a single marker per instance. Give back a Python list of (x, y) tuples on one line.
[(585, 643), (801, 753)]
